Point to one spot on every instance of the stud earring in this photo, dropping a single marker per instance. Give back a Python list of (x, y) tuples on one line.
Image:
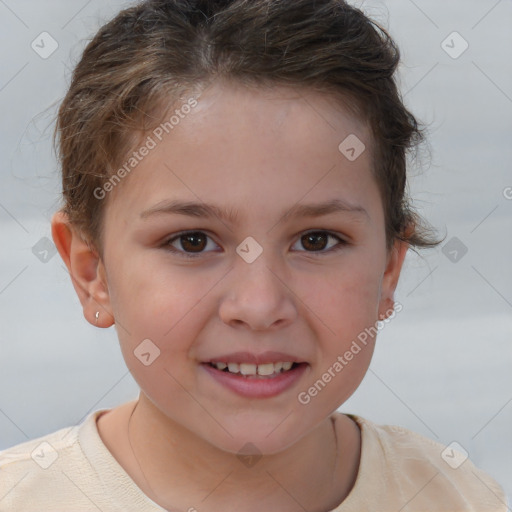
[(97, 315)]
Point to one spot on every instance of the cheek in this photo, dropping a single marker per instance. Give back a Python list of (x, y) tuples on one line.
[(149, 293), (156, 319), (347, 300), (165, 305), (346, 306)]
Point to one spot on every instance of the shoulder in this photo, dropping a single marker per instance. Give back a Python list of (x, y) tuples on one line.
[(46, 471), (70, 470), (413, 472), (40, 452)]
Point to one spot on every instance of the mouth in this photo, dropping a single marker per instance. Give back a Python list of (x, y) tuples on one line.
[(264, 370), (250, 376)]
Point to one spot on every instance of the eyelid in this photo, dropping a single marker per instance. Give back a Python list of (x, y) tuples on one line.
[(175, 236), (342, 242)]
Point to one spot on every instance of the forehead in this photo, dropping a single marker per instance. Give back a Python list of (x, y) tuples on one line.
[(242, 144), (281, 110)]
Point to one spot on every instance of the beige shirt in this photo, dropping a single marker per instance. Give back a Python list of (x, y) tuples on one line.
[(71, 470)]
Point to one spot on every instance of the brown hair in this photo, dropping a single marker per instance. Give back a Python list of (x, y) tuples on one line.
[(150, 55)]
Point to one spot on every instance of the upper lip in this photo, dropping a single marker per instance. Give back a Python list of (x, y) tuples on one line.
[(251, 358)]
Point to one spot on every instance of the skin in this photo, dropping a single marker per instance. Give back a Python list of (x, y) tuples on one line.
[(261, 153)]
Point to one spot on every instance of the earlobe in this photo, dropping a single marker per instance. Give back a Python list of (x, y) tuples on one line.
[(85, 269), (390, 278)]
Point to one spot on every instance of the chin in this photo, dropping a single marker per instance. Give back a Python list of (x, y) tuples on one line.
[(266, 434)]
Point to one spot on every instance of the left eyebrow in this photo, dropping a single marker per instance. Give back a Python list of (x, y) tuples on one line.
[(206, 210), (320, 209)]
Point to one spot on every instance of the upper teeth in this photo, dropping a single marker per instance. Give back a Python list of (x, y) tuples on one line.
[(254, 369)]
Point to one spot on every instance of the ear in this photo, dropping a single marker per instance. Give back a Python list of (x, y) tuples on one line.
[(86, 269), (390, 278)]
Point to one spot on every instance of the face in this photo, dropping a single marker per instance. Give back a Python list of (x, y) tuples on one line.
[(262, 269)]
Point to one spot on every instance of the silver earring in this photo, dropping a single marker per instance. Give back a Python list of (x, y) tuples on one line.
[(97, 315)]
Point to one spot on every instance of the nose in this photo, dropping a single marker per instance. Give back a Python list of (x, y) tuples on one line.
[(257, 297)]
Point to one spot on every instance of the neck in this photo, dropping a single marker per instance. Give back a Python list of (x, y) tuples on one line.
[(177, 469)]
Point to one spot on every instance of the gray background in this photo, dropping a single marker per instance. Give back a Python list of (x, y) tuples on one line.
[(441, 367)]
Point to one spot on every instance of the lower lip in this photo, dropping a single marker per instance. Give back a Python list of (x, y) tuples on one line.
[(252, 386)]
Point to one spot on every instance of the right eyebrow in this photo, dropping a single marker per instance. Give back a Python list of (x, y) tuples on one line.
[(190, 209), (206, 210)]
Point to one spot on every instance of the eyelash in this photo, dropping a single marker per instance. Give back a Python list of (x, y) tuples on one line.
[(167, 244)]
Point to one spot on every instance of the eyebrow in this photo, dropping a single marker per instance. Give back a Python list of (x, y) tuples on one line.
[(206, 210)]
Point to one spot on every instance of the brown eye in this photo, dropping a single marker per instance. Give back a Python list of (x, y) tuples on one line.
[(315, 241), (194, 242), (318, 242), (189, 244)]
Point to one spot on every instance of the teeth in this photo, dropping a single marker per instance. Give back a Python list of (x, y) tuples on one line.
[(266, 369), (233, 367), (255, 369), (247, 369)]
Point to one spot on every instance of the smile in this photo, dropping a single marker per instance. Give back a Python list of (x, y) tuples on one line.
[(262, 370), (251, 380)]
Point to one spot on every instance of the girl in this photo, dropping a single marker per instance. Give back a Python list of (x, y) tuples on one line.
[(234, 204)]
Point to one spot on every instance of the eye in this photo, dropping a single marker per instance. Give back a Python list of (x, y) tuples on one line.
[(317, 241), (192, 243)]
